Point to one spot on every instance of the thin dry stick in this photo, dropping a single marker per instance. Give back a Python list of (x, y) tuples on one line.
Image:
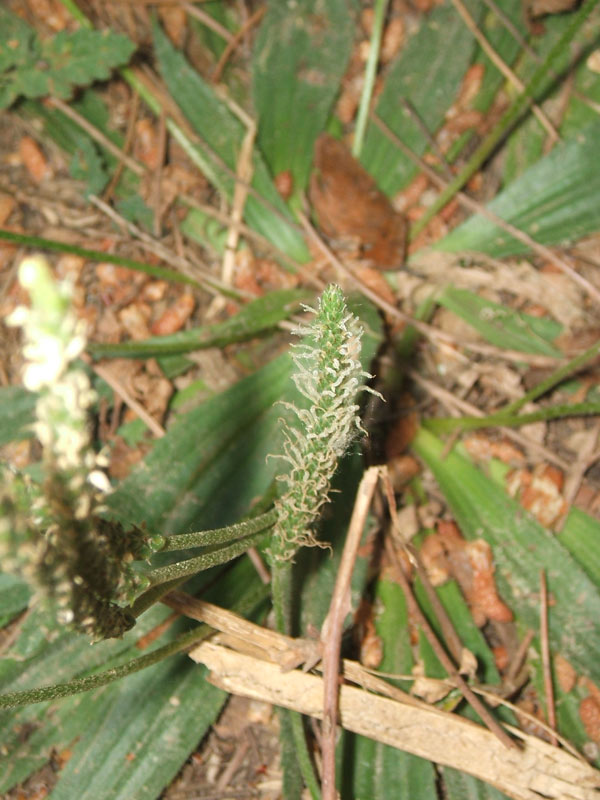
[(428, 331), (244, 170), (252, 20), (478, 208), (98, 136), (527, 48), (452, 402), (587, 455), (259, 565), (131, 120), (415, 611), (129, 401), (503, 67), (451, 637), (234, 763), (545, 647), (157, 177), (223, 217), (209, 21), (331, 635), (190, 137), (245, 636), (357, 675), (282, 650), (431, 140), (512, 29), (149, 638), (211, 284), (12, 630), (518, 660), (535, 771)]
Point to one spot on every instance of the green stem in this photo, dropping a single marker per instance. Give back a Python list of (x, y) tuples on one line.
[(216, 536), (370, 74), (559, 375), (245, 606), (502, 420), (17, 699), (281, 592), (204, 164), (181, 569), (153, 595), (509, 118), (282, 595), (97, 255), (76, 13), (302, 754)]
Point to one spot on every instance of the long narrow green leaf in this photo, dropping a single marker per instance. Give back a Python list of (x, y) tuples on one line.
[(458, 785), (134, 747), (17, 407), (566, 704), (368, 770), (555, 201), (526, 144), (97, 255), (149, 724), (581, 536), (84, 717), (501, 325), (14, 597), (258, 316), (429, 80), (522, 547), (54, 656), (223, 132), (300, 56)]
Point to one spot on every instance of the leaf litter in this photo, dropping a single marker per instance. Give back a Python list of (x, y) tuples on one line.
[(363, 227)]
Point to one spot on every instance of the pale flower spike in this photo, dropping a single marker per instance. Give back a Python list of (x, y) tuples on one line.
[(329, 375), (54, 534), (54, 337)]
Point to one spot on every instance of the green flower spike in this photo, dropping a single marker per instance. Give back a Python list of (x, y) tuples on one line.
[(329, 375), (54, 535)]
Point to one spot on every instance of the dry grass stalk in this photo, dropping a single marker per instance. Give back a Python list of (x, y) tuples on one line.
[(534, 770)]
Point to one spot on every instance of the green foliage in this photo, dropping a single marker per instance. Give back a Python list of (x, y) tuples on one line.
[(158, 714), (87, 166), (211, 465), (299, 59), (17, 405), (32, 67), (425, 76), (223, 132), (258, 316), (554, 201), (368, 769), (501, 325), (522, 547)]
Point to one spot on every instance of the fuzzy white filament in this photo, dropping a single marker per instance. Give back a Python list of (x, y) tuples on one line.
[(329, 375)]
